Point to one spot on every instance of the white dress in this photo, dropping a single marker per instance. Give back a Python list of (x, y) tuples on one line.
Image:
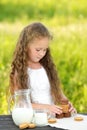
[(40, 86)]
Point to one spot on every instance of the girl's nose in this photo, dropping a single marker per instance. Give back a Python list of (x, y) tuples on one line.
[(41, 53)]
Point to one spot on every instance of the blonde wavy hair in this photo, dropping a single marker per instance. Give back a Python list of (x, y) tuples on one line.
[(18, 72)]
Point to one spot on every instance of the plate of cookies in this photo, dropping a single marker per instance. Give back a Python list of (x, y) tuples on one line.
[(67, 120)]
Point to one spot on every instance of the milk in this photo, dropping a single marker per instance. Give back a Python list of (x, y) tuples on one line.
[(41, 119), (22, 115)]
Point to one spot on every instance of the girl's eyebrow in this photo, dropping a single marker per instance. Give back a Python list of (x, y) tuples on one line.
[(40, 48)]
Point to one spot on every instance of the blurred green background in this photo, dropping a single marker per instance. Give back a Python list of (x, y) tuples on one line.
[(67, 21)]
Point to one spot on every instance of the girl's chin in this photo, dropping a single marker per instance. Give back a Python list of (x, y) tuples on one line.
[(36, 61)]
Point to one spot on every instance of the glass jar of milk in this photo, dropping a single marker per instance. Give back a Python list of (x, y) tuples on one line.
[(22, 111)]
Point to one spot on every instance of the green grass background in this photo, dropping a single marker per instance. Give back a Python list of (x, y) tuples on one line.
[(67, 21)]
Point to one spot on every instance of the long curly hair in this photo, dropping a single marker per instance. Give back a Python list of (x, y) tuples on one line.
[(19, 63)]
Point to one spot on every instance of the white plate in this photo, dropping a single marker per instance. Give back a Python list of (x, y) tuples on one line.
[(71, 124)]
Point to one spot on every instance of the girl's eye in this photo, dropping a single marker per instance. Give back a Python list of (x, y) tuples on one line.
[(37, 49), (41, 50)]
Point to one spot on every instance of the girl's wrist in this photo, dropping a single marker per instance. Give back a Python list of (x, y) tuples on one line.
[(47, 106), (40, 106)]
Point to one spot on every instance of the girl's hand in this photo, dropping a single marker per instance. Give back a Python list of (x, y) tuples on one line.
[(55, 109), (71, 108)]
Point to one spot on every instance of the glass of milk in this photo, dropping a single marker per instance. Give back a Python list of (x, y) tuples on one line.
[(40, 117)]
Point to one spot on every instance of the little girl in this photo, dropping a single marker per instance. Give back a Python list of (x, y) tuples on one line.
[(33, 67)]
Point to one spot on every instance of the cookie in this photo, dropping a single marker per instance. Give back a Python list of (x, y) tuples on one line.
[(65, 108), (60, 115), (68, 114), (52, 120), (78, 118), (31, 125), (23, 126)]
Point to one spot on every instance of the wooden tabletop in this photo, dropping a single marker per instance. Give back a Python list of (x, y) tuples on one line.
[(6, 123)]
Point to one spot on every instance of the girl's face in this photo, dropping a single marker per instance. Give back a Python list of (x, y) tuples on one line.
[(37, 49)]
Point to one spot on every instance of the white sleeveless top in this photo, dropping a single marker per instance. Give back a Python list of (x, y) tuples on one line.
[(40, 86)]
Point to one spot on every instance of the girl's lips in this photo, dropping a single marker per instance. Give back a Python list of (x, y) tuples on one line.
[(39, 58)]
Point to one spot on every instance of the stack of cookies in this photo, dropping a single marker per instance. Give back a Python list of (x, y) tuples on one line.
[(26, 125), (65, 108)]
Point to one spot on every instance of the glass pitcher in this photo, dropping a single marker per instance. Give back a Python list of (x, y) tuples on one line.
[(22, 111)]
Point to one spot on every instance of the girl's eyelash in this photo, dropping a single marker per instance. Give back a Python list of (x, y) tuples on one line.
[(37, 49), (40, 49)]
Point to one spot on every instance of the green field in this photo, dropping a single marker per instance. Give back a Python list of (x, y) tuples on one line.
[(67, 21)]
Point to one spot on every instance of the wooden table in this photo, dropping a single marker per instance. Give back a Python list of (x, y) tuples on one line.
[(6, 123)]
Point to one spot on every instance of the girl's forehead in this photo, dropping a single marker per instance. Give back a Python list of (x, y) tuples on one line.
[(40, 42)]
